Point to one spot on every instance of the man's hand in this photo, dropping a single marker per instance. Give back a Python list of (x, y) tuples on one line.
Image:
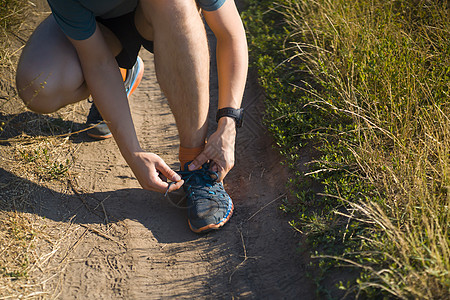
[(152, 172), (219, 150)]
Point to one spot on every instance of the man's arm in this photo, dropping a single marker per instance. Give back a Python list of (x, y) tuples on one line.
[(232, 53), (232, 65), (106, 86)]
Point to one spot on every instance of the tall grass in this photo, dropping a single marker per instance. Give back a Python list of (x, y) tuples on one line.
[(374, 82)]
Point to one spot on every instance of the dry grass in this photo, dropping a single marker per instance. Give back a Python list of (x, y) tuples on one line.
[(368, 83), (31, 264), (12, 14), (41, 160), (386, 65), (30, 157)]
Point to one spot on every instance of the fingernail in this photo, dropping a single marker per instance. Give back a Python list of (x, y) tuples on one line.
[(191, 167), (176, 177)]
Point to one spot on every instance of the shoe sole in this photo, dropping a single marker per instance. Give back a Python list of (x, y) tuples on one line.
[(210, 227), (100, 137), (139, 76)]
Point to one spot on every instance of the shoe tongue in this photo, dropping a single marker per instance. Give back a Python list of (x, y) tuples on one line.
[(201, 175)]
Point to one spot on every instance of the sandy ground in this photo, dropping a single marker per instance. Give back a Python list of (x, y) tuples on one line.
[(116, 240)]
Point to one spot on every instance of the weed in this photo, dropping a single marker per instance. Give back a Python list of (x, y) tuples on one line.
[(367, 83), (44, 159)]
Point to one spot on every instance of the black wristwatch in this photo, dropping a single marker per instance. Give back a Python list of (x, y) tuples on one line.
[(236, 114)]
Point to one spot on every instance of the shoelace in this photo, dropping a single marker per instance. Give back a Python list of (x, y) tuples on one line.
[(196, 177)]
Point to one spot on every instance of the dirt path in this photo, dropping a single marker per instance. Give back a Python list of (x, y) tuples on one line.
[(117, 241)]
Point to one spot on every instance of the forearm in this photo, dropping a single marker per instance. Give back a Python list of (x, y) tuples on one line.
[(110, 98), (232, 53), (232, 65), (105, 83)]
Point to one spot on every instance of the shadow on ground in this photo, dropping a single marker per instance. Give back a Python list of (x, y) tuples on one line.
[(36, 125), (148, 208)]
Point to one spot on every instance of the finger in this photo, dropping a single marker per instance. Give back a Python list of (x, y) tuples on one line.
[(221, 172), (158, 185), (175, 186), (166, 171), (198, 161), (163, 178), (214, 167), (221, 176)]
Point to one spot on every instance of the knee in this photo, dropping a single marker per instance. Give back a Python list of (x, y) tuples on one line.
[(35, 93)]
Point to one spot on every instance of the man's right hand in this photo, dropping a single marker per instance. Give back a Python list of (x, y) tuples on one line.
[(152, 172)]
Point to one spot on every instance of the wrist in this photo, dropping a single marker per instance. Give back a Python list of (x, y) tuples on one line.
[(227, 129), (131, 153), (225, 123)]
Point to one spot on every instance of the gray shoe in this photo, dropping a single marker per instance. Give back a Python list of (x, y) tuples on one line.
[(100, 131), (209, 206)]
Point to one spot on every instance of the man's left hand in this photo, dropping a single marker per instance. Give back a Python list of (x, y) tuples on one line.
[(219, 150)]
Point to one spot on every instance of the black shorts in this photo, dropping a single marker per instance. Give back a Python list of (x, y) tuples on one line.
[(125, 30)]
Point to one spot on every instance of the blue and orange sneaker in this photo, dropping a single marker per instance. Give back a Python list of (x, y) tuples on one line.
[(131, 80), (209, 206)]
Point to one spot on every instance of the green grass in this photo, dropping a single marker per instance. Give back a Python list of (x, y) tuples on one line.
[(366, 83), (43, 159)]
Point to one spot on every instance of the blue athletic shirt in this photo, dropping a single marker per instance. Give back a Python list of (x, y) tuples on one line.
[(77, 17)]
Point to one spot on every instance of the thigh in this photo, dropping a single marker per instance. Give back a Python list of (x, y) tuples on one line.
[(123, 28), (50, 62)]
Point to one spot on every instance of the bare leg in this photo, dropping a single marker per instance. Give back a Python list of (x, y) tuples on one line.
[(49, 74), (181, 61)]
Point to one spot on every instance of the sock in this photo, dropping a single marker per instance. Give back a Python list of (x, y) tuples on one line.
[(124, 73), (188, 154)]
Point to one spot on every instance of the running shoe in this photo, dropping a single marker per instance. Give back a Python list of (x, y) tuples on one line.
[(208, 204), (99, 130), (134, 76), (131, 78)]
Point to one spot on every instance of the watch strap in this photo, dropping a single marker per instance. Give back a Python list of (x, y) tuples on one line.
[(236, 114)]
